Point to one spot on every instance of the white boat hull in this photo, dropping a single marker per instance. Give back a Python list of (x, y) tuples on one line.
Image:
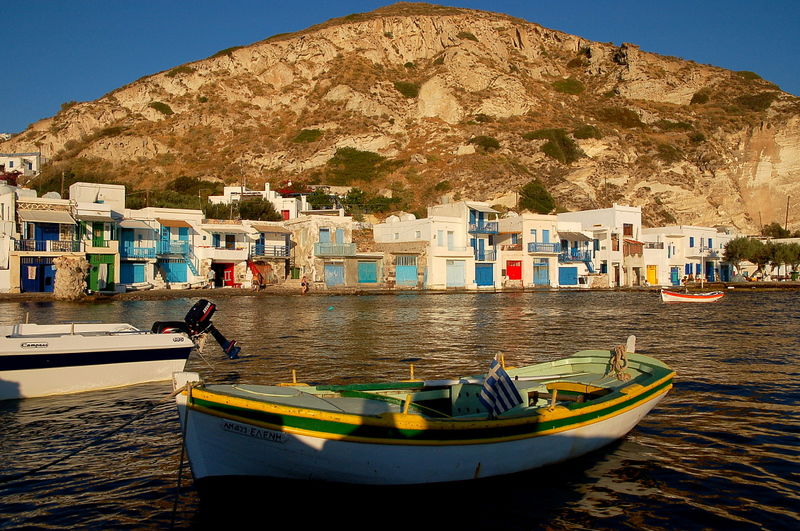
[(674, 296), (222, 447), (42, 360)]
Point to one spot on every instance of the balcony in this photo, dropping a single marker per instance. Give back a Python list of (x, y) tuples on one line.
[(334, 249), (277, 251), (485, 256), (487, 227), (538, 247), (225, 253), (129, 250), (48, 246), (574, 255), (100, 246), (177, 247)]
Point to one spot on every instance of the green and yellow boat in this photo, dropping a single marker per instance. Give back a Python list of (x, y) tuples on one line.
[(413, 432)]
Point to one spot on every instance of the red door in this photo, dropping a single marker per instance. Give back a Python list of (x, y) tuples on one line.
[(514, 269), (227, 275)]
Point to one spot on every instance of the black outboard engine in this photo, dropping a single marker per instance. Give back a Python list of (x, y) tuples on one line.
[(198, 322)]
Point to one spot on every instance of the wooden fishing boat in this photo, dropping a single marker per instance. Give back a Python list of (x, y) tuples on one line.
[(413, 432), (50, 359), (679, 296)]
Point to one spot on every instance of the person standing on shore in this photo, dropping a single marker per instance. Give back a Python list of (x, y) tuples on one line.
[(304, 285), (211, 276)]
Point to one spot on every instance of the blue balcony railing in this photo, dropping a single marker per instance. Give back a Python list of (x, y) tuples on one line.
[(129, 250), (486, 227), (172, 247), (48, 246), (270, 250), (574, 255), (334, 249), (485, 256), (539, 247)]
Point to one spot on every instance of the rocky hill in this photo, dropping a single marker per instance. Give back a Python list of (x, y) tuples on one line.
[(419, 101)]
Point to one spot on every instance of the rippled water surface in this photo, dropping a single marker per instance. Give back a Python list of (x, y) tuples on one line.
[(721, 451)]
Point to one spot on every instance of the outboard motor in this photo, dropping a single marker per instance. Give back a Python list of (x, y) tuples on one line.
[(198, 320), (196, 323)]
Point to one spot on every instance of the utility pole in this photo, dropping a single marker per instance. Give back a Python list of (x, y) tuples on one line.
[(786, 222), (62, 184)]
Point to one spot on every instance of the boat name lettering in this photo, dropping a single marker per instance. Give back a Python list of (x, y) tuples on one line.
[(251, 431), (34, 345), (177, 339)]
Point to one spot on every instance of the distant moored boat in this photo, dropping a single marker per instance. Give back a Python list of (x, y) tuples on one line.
[(678, 296)]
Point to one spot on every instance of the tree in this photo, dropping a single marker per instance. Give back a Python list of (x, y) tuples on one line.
[(738, 250), (319, 199), (535, 197), (762, 254), (774, 230), (258, 209)]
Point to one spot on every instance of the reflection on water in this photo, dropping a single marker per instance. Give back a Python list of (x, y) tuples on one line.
[(720, 451)]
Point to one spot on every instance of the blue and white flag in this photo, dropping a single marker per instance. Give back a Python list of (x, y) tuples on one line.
[(499, 393)]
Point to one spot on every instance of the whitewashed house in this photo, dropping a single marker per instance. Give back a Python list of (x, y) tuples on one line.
[(528, 250), (287, 207), (688, 252)]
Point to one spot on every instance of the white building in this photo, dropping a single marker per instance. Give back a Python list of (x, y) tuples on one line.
[(28, 164), (288, 207), (528, 249), (686, 252)]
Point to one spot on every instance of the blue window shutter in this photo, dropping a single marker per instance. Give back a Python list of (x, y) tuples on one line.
[(691, 241), (545, 236)]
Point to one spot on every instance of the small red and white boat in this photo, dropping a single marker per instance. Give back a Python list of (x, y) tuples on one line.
[(679, 296)]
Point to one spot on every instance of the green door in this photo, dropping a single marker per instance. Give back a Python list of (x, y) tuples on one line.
[(101, 275), (97, 234)]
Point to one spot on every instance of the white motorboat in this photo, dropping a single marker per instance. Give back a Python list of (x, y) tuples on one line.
[(49, 359)]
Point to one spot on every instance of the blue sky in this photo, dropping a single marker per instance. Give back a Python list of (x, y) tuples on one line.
[(56, 51)]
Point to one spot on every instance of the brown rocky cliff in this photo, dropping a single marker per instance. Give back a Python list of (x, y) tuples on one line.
[(415, 83)]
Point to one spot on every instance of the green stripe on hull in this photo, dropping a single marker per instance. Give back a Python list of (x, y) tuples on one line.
[(391, 435)]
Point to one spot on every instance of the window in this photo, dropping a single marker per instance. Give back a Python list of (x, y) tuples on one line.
[(324, 235), (418, 234), (627, 229), (710, 243), (691, 241), (514, 239), (596, 244), (440, 237), (533, 235), (10, 163), (396, 235), (545, 236)]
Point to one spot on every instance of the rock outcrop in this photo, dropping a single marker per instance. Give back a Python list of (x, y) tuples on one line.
[(689, 143)]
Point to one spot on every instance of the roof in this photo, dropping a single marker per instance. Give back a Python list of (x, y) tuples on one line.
[(482, 208), (173, 223), (46, 216), (263, 227), (134, 224), (94, 217), (227, 229), (574, 236)]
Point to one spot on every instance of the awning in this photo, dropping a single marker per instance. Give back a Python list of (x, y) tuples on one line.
[(482, 208), (173, 223), (95, 217), (134, 224), (574, 236), (225, 229), (276, 229), (46, 216), (628, 240)]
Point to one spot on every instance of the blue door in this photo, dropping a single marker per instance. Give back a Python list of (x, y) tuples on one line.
[(339, 235), (183, 234), (131, 273), (568, 276), (324, 235), (367, 272), (545, 236), (36, 274), (675, 276), (541, 273), (484, 274), (406, 270), (725, 273), (455, 274), (175, 270), (334, 274), (710, 272)]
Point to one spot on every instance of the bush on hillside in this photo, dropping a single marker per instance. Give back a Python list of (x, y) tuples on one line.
[(559, 146), (569, 86)]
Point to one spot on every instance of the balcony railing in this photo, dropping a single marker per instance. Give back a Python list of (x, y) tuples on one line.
[(334, 249), (511, 247), (270, 250), (485, 256), (172, 247), (48, 246), (487, 227), (539, 247), (653, 245), (129, 250), (574, 255)]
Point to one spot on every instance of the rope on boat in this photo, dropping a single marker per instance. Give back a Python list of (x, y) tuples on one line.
[(619, 362), (9, 478)]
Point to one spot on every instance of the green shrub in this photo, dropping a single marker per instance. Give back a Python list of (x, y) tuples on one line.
[(668, 125), (163, 108), (697, 137), (746, 74), (700, 97), (68, 105), (407, 89), (183, 69), (467, 35), (620, 116), (307, 135), (443, 186), (202, 99), (587, 131), (487, 143), (388, 34), (439, 60), (576, 63), (757, 102), (226, 51), (483, 118), (350, 164), (535, 198), (410, 65), (569, 86), (669, 153), (558, 146)]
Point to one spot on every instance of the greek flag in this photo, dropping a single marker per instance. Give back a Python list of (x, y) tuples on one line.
[(499, 393)]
